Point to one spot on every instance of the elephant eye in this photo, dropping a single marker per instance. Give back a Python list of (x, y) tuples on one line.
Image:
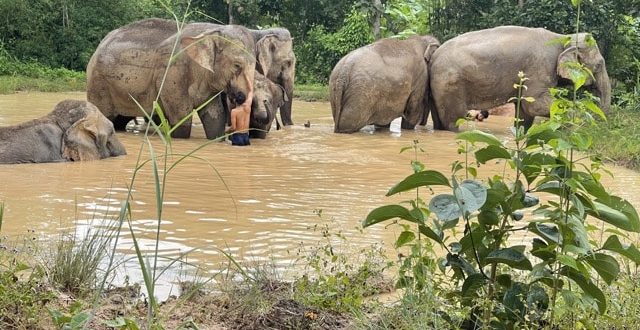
[(237, 67)]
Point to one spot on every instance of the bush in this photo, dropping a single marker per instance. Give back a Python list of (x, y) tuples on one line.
[(322, 50)]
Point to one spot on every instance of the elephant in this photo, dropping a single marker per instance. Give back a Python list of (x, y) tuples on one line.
[(129, 67), (74, 131), (382, 81), (477, 70), (277, 61), (268, 97)]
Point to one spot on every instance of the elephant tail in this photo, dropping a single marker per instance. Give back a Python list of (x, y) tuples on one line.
[(431, 108), (337, 86)]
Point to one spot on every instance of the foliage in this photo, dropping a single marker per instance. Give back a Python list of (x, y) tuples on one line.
[(563, 270), (23, 289), (332, 278), (619, 135), (323, 49)]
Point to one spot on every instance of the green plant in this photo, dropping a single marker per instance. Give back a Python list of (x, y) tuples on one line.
[(22, 293), (76, 260), (74, 320), (332, 278)]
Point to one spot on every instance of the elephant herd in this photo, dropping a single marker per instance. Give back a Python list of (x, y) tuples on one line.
[(196, 65), (416, 77)]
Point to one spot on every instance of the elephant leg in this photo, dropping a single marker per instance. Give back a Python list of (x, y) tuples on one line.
[(285, 112), (120, 122), (183, 131), (414, 109), (214, 118)]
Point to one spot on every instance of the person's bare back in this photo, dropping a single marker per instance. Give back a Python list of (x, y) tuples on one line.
[(240, 119)]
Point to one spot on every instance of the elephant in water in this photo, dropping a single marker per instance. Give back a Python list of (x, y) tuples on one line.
[(385, 80), (276, 60), (268, 97), (73, 131), (130, 64), (477, 70)]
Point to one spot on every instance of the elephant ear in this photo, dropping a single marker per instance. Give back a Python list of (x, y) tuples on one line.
[(201, 48), (265, 47), (85, 140), (431, 48), (568, 55)]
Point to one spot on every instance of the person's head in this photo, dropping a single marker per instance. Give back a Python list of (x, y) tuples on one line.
[(239, 98), (482, 115)]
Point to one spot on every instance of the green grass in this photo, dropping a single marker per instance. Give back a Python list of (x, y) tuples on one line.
[(12, 84), (310, 93), (619, 137)]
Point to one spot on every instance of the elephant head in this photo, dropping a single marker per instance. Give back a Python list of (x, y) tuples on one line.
[(583, 49), (276, 60), (225, 52), (267, 98), (88, 134)]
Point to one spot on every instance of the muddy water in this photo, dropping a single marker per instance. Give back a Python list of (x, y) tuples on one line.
[(256, 202)]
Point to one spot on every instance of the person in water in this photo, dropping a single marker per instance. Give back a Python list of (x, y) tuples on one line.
[(240, 118), (478, 115)]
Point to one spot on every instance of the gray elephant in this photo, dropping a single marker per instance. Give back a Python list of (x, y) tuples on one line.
[(382, 81), (268, 97), (276, 60), (130, 64), (74, 131), (477, 70)]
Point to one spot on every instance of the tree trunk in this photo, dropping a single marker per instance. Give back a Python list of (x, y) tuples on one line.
[(230, 11), (377, 15)]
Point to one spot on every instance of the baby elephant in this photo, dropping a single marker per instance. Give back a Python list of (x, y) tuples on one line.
[(74, 131)]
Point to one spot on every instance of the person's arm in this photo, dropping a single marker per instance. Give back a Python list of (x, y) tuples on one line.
[(247, 103), (234, 119)]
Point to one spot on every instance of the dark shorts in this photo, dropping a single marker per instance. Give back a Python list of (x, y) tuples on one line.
[(240, 139)]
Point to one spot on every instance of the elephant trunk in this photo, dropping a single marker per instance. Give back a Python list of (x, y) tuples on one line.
[(116, 148), (603, 90), (261, 120), (285, 109)]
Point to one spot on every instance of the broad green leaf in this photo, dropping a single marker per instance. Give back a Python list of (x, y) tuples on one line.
[(547, 232), (474, 136), (606, 266), (576, 3), (460, 263), (492, 152), (543, 251), (420, 179), (404, 238), (593, 107), (537, 299), (426, 231), (471, 286), (514, 299), (587, 286), (568, 261), (510, 257), (471, 194), (488, 218), (617, 212), (630, 251), (445, 207), (388, 212)]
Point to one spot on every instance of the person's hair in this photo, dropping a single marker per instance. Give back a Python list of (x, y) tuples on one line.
[(239, 98), (485, 114)]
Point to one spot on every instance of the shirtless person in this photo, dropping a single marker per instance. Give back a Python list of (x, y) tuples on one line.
[(240, 117)]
